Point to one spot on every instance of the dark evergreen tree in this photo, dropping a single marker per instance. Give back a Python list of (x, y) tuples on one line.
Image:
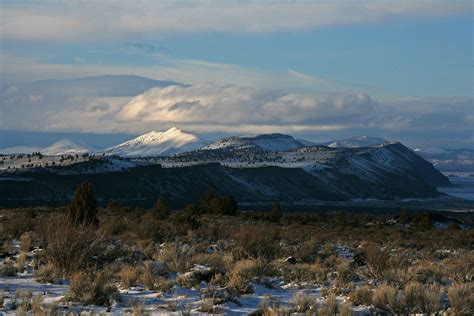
[(207, 200), (229, 205), (276, 212), (404, 217), (191, 210), (162, 209), (83, 208)]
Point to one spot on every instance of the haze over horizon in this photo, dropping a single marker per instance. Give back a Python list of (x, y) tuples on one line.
[(320, 71)]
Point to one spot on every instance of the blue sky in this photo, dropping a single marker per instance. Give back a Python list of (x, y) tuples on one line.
[(426, 56), (390, 50)]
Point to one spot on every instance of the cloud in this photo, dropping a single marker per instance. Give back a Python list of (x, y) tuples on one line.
[(20, 69), (143, 48), (235, 105), (73, 20), (79, 60), (251, 102), (233, 109)]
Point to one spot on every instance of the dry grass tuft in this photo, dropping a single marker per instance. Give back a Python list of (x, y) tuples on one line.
[(92, 288)]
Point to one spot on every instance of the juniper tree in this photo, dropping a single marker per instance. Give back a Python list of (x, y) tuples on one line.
[(276, 212), (161, 209), (83, 208)]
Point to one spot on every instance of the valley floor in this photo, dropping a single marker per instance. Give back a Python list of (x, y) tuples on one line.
[(137, 262)]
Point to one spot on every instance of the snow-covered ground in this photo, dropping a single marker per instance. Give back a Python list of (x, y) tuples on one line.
[(177, 300)]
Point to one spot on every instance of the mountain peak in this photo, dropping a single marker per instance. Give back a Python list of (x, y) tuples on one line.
[(66, 146), (173, 130), (272, 142), (155, 143)]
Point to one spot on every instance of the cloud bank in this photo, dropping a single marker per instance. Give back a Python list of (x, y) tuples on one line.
[(73, 20), (233, 109)]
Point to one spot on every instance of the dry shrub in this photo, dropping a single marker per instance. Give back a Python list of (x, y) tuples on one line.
[(377, 259), (208, 305), (217, 261), (73, 248), (461, 298), (21, 260), (129, 275), (303, 272), (308, 251), (303, 303), (344, 271), (8, 269), (345, 310), (245, 271), (386, 298), (330, 307), (193, 278), (257, 242), (138, 309), (23, 301), (152, 277), (177, 257), (91, 288), (361, 296), (427, 272), (461, 269), (26, 241), (274, 308), (435, 299), (36, 303), (46, 273), (7, 246), (415, 297)]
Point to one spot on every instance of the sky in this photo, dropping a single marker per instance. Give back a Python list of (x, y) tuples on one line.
[(319, 69)]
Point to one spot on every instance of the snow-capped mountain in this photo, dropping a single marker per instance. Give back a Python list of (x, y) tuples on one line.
[(450, 160), (61, 147), (19, 150), (166, 143), (356, 141), (272, 142), (66, 147)]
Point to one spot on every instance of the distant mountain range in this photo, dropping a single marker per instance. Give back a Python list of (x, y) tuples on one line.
[(450, 160), (254, 168), (175, 141), (61, 147)]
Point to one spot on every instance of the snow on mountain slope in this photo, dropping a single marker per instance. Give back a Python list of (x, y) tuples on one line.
[(61, 147), (166, 143), (272, 142), (66, 147), (357, 141), (450, 160), (19, 150)]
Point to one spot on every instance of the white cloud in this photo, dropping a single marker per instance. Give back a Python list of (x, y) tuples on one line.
[(73, 20), (235, 105), (230, 109)]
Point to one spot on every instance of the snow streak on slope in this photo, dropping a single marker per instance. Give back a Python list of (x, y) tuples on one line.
[(166, 143), (272, 142), (357, 141)]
